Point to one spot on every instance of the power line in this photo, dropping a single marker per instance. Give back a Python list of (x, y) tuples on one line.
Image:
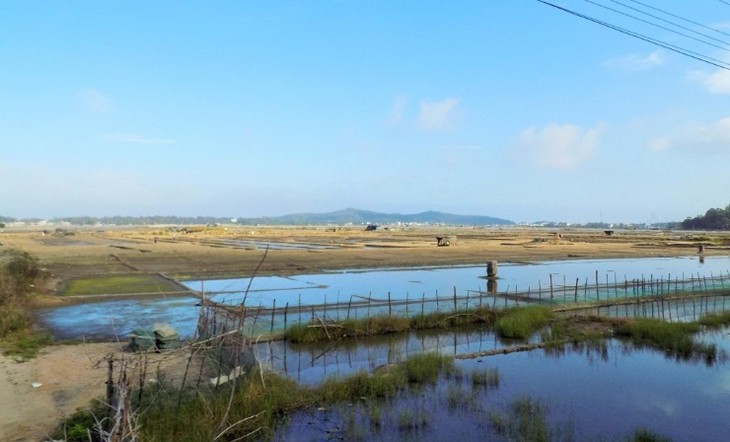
[(682, 18), (658, 26), (723, 1), (671, 23), (691, 54)]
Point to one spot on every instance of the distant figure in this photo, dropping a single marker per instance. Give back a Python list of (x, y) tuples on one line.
[(701, 249), (155, 240)]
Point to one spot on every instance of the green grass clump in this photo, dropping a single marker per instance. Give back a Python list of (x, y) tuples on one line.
[(485, 378), (526, 420), (362, 385), (426, 367), (24, 345), (715, 320), (523, 322), (385, 324), (169, 414), (198, 417), (79, 426), (675, 338)]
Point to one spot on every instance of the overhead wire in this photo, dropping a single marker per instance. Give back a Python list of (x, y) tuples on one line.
[(682, 18), (658, 26), (674, 48), (671, 23)]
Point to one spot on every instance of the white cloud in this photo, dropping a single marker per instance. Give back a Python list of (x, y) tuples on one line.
[(558, 146), (136, 139), (636, 62), (95, 101), (397, 110), (438, 115), (660, 144), (716, 83), (698, 137)]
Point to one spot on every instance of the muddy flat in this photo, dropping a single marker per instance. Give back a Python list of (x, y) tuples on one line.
[(237, 251)]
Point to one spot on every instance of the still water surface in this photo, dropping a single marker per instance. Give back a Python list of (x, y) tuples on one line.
[(593, 394), (108, 319)]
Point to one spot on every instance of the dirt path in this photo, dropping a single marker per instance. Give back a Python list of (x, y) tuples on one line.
[(70, 376)]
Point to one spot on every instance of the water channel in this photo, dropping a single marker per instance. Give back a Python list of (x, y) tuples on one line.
[(590, 393), (116, 318)]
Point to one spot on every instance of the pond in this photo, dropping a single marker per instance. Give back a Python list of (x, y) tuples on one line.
[(588, 393), (112, 319), (341, 286)]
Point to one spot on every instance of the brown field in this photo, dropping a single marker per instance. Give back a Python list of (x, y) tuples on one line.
[(70, 374), (213, 252)]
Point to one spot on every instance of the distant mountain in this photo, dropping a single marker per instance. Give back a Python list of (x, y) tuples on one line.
[(356, 216), (345, 216)]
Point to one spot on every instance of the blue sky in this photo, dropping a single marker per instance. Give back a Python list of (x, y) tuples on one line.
[(506, 108)]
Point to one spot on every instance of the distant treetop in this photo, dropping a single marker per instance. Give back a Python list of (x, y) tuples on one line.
[(713, 219)]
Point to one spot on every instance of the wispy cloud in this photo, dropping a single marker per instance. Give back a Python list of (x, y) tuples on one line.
[(94, 101), (397, 111), (636, 62), (438, 115), (717, 82), (558, 146), (137, 139), (698, 137)]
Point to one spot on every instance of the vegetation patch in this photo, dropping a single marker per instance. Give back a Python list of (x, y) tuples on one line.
[(117, 285), (318, 331), (523, 322), (254, 405), (675, 338), (715, 321), (18, 276)]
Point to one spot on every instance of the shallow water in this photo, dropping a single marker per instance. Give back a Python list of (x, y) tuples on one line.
[(109, 319), (592, 394), (332, 287)]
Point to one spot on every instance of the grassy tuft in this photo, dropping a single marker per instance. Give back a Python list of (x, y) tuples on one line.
[(644, 435), (675, 338), (488, 378), (523, 322), (526, 420), (715, 320), (426, 367)]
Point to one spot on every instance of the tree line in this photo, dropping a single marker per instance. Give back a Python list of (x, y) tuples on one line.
[(713, 219)]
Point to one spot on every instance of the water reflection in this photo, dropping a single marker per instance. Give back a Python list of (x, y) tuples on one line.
[(595, 391), (111, 319)]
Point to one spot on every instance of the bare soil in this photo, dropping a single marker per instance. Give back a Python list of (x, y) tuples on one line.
[(71, 375)]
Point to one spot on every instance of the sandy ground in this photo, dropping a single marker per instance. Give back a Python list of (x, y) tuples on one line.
[(71, 375)]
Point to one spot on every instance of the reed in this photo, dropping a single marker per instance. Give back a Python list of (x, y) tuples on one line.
[(523, 322), (715, 320), (486, 378), (318, 331), (526, 419), (426, 367), (676, 339)]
